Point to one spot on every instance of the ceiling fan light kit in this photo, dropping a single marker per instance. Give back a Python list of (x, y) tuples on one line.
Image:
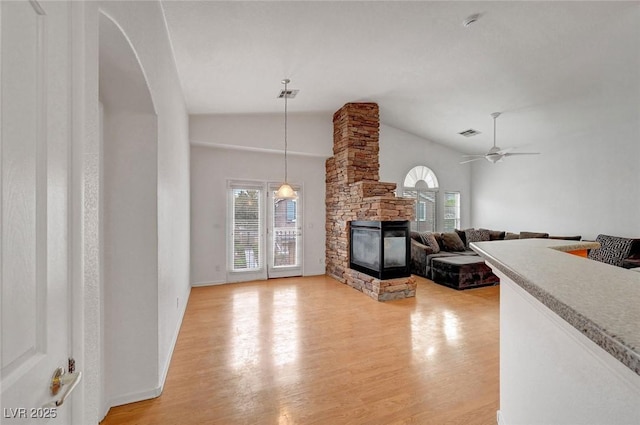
[(495, 154)]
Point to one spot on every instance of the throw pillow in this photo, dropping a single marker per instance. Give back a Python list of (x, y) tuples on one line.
[(495, 235), (463, 236), (533, 235), (429, 240), (479, 235), (452, 242), (613, 250), (438, 237)]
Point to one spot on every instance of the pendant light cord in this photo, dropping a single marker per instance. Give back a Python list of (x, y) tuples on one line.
[(285, 129)]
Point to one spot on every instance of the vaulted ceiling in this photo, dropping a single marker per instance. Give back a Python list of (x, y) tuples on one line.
[(552, 68)]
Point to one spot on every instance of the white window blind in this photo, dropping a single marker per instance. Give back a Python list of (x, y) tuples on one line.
[(285, 232), (425, 220), (451, 211), (246, 228)]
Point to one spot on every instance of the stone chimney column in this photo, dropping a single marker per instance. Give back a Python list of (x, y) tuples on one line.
[(353, 192)]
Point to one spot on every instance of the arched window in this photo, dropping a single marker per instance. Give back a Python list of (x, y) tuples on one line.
[(421, 184), (421, 175)]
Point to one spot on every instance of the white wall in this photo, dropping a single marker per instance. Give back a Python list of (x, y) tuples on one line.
[(584, 183), (213, 162), (144, 26), (401, 151), (130, 252), (308, 133), (587, 179)]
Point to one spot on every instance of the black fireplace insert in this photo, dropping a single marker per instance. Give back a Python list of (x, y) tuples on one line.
[(380, 248)]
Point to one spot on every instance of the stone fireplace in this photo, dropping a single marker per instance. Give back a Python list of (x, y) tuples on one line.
[(353, 193)]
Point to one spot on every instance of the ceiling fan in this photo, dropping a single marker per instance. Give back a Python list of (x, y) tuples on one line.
[(495, 154)]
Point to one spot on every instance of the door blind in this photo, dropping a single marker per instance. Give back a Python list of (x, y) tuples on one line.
[(246, 231)]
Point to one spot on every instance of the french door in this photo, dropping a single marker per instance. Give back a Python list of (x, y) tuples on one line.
[(284, 234), (246, 244), (265, 232)]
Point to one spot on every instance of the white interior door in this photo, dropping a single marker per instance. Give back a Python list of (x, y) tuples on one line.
[(284, 231), (35, 225)]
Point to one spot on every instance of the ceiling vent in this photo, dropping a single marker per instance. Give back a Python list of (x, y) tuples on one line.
[(290, 94), (469, 133)]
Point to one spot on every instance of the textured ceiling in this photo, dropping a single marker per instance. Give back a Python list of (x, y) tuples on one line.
[(552, 68)]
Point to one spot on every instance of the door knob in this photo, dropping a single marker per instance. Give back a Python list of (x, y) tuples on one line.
[(62, 379)]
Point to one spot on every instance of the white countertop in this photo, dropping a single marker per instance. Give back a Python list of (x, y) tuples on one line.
[(599, 300)]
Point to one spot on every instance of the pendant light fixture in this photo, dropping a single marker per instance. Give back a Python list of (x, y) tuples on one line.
[(285, 191)]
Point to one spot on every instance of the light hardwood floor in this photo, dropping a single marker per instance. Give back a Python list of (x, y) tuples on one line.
[(314, 351)]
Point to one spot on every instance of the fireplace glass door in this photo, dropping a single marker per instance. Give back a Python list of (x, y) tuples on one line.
[(284, 234)]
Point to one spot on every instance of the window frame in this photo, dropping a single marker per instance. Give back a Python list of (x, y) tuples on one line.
[(458, 218), (260, 272), (422, 179)]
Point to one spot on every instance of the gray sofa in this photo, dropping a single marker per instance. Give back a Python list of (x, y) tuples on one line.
[(614, 250), (427, 246)]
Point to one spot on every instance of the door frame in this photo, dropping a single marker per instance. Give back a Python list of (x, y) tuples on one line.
[(261, 272), (265, 271), (85, 267), (290, 271)]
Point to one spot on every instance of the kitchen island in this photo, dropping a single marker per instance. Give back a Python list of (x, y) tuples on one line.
[(569, 334)]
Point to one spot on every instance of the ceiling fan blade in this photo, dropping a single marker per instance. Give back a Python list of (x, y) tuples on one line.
[(521, 153), (505, 150), (473, 156), (474, 159)]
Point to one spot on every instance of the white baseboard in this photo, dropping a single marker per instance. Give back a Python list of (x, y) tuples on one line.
[(103, 412), (174, 340), (500, 419), (224, 282), (134, 397), (210, 283)]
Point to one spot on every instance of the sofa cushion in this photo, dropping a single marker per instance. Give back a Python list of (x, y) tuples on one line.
[(430, 258), (495, 235), (533, 235), (613, 250), (452, 242), (476, 235), (429, 240), (567, 238), (467, 252), (426, 248)]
